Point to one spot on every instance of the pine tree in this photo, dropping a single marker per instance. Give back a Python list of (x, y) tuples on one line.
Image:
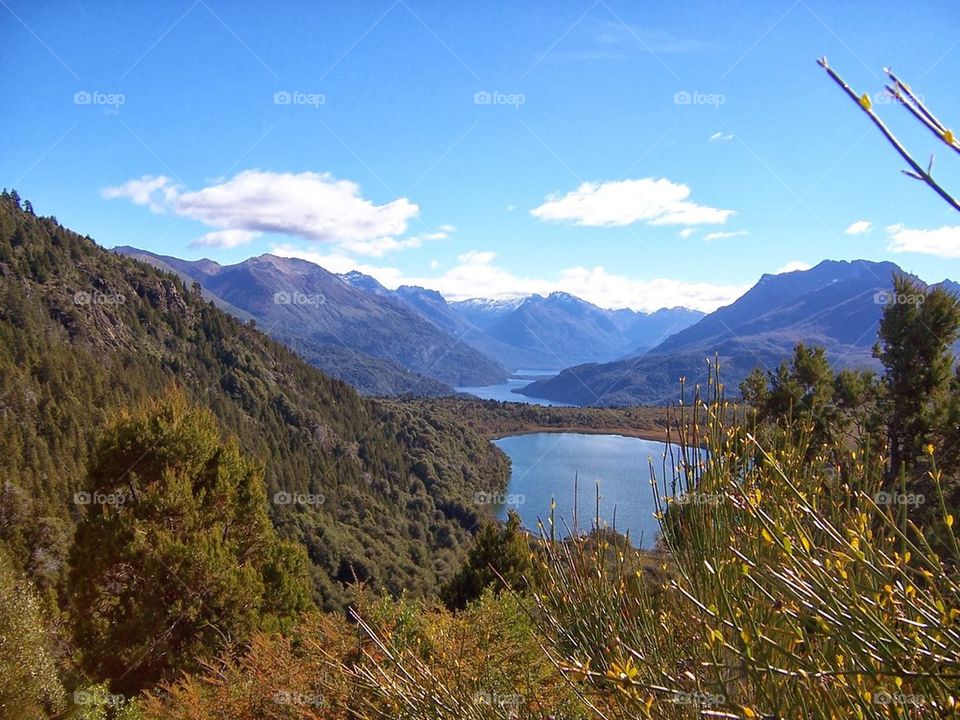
[(500, 557), (176, 556), (916, 334)]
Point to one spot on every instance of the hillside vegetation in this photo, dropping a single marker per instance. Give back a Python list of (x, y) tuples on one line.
[(86, 334)]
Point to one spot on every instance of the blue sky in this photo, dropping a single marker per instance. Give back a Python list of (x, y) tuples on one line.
[(635, 154)]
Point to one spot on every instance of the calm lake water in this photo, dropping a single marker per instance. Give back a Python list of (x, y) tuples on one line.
[(545, 465), (504, 391)]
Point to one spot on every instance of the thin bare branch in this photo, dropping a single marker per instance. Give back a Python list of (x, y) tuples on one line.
[(864, 104)]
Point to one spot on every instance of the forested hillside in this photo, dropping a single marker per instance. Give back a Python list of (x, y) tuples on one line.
[(85, 333)]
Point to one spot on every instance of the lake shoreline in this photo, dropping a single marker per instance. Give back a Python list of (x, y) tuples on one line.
[(657, 435)]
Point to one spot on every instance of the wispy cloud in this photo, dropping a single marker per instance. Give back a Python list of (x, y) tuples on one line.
[(624, 202), (793, 266), (710, 237), (720, 137), (942, 242), (225, 238), (613, 33), (859, 227)]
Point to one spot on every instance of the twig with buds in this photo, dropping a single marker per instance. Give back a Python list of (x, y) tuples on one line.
[(903, 93)]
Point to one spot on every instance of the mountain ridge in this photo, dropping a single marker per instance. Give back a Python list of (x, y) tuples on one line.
[(836, 304), (312, 310)]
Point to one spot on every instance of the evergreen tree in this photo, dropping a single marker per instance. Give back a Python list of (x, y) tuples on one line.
[(176, 555), (499, 557), (916, 334)]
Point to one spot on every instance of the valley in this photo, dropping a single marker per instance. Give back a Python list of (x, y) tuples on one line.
[(430, 360)]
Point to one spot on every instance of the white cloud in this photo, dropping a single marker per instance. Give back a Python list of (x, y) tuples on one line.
[(314, 206), (686, 232), (942, 242), (623, 202), (477, 275), (793, 266), (720, 137), (225, 238), (155, 192), (710, 237), (859, 227)]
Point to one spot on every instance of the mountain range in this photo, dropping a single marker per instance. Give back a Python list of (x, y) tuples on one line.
[(411, 340), (837, 304)]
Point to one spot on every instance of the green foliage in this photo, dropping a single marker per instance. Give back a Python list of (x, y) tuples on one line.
[(29, 684), (916, 335), (176, 554), (96, 702), (499, 559)]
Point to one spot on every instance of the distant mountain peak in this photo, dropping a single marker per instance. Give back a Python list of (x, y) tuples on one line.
[(361, 281)]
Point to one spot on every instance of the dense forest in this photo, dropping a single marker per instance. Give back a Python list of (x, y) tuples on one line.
[(86, 335)]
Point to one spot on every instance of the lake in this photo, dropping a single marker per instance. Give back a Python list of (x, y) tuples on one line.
[(504, 391), (545, 465)]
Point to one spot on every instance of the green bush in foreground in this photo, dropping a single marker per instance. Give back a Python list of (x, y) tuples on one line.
[(176, 556)]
